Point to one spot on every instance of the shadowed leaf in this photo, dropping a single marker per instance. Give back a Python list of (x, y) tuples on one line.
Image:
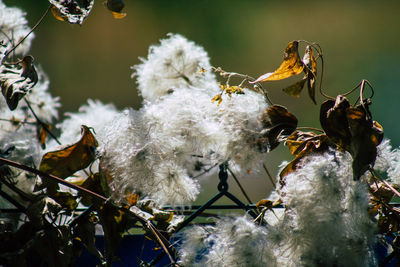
[(295, 89), (84, 231), (66, 200), (300, 145), (366, 136), (311, 71), (333, 119), (115, 7), (73, 11), (278, 123), (114, 222), (65, 162), (352, 129), (94, 183), (16, 82), (40, 208)]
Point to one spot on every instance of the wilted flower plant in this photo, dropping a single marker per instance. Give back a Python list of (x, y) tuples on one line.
[(332, 205)]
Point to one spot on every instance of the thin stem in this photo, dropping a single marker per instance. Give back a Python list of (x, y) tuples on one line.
[(26, 36), (269, 175), (41, 123), (240, 186), (375, 174), (205, 171), (261, 215), (246, 78), (317, 47), (18, 122), (8, 37)]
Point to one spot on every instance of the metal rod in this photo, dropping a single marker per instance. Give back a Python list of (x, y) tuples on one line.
[(199, 211), (240, 204)]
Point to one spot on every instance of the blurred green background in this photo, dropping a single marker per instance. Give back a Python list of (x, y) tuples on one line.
[(360, 40)]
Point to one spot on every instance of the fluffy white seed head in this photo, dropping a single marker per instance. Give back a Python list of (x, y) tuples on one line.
[(231, 242), (158, 149), (175, 63), (94, 114), (388, 161), (14, 27), (326, 220)]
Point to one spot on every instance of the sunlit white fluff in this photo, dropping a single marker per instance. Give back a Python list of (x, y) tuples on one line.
[(94, 114), (176, 128), (325, 223), (388, 161), (173, 64), (326, 220), (231, 242), (14, 27)]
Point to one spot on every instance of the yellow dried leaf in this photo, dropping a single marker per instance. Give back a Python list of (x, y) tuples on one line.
[(266, 203), (57, 14), (117, 15), (291, 65), (217, 98), (42, 134), (132, 198)]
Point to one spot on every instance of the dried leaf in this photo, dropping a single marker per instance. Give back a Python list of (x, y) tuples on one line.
[(114, 222), (132, 199), (84, 231), (291, 65), (42, 134), (366, 136), (57, 14), (73, 11), (65, 162), (295, 89), (28, 69), (278, 123), (352, 129), (16, 82), (311, 71), (40, 208), (333, 119), (53, 246), (217, 98), (266, 203), (301, 144), (96, 184), (116, 6), (66, 200)]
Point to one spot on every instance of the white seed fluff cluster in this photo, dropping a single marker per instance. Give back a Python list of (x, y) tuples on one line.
[(94, 114), (325, 223), (231, 242), (19, 128), (388, 160), (14, 27), (173, 64), (154, 150)]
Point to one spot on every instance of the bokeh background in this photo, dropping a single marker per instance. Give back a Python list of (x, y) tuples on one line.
[(360, 40)]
